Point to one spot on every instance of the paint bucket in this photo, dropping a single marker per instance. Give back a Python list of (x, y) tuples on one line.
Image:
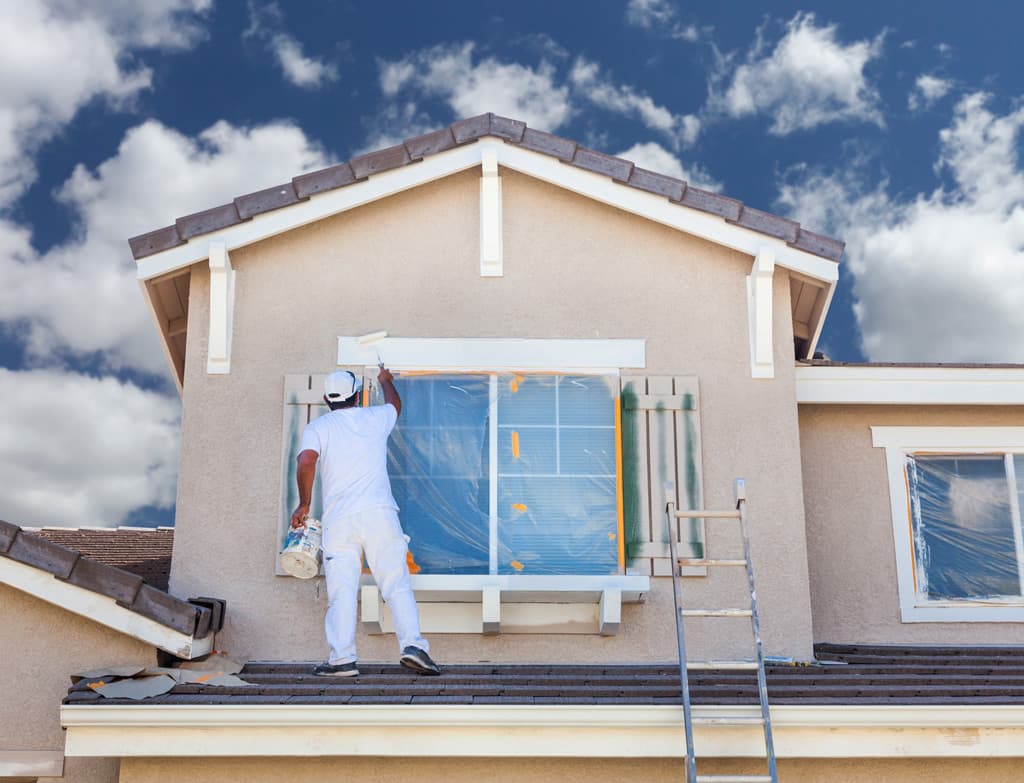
[(301, 554)]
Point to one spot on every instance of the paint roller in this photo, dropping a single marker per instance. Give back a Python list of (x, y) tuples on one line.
[(370, 339)]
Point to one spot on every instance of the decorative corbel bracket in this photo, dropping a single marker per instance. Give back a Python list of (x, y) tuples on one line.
[(759, 314), (222, 307), (490, 217)]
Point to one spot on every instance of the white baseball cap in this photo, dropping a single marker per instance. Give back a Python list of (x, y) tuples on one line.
[(340, 385)]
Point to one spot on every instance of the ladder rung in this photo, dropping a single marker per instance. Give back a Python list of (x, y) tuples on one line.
[(721, 664), (737, 721), (734, 779), (696, 561), (705, 514), (717, 612)]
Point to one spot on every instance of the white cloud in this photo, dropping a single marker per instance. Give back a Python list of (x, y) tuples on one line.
[(76, 450), (300, 70), (660, 16), (808, 79), (81, 297), (58, 55), (927, 90), (936, 277), (469, 88), (652, 156), (592, 86)]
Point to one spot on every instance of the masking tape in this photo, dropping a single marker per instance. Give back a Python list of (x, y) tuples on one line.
[(515, 445)]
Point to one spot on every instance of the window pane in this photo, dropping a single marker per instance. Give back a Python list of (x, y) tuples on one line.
[(526, 400), (584, 399), (529, 450), (438, 462), (963, 530), (587, 450)]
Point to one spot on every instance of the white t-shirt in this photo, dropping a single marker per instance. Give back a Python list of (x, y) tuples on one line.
[(353, 463)]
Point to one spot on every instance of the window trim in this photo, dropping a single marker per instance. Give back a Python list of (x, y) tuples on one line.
[(899, 442)]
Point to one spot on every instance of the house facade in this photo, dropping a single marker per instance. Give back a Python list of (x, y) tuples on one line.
[(578, 341)]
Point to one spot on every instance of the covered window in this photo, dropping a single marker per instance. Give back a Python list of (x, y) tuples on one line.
[(957, 521), (509, 473)]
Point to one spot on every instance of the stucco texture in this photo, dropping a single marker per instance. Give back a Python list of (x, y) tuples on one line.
[(852, 556), (41, 646), (410, 264), (374, 770)]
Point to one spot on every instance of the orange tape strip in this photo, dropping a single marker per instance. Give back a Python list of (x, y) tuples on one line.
[(515, 445)]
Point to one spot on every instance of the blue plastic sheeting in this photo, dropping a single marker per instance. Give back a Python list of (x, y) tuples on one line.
[(555, 503), (965, 520)]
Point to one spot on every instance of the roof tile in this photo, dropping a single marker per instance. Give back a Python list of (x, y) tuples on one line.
[(508, 129), (659, 184), (8, 533), (330, 178), (767, 223), (592, 160), (381, 160), (155, 241), (101, 578), (819, 245), (705, 201), (266, 200), (143, 552), (165, 609), (471, 128), (430, 143), (40, 553), (549, 144), (208, 220)]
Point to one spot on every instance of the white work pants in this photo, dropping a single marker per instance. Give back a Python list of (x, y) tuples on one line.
[(377, 532)]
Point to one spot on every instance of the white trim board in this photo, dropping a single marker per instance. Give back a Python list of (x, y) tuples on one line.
[(910, 385), (637, 731), (898, 442), (100, 609), (495, 354)]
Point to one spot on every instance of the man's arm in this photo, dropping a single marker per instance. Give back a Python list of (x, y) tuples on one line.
[(387, 385), (305, 472)]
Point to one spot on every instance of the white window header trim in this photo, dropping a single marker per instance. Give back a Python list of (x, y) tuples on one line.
[(494, 354)]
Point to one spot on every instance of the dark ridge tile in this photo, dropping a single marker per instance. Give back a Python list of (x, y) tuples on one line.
[(503, 700), (381, 160), (217, 606), (705, 201), (208, 220), (40, 553), (8, 532), (592, 160), (330, 178), (549, 144), (204, 618), (312, 699), (659, 184), (155, 241), (430, 143), (505, 128), (165, 609), (471, 128), (100, 578), (767, 223), (387, 699), (266, 200), (819, 245), (566, 700)]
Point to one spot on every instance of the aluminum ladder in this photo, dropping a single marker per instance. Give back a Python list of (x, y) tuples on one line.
[(757, 663)]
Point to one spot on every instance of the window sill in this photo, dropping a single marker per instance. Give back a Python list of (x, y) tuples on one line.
[(485, 604), (964, 612)]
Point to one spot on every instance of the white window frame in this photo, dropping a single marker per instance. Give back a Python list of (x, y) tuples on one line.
[(901, 442)]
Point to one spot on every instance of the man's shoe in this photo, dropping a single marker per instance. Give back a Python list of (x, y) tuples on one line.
[(416, 659), (328, 669)]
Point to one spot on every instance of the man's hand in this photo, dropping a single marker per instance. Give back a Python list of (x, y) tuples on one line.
[(385, 375), (387, 385), (299, 516)]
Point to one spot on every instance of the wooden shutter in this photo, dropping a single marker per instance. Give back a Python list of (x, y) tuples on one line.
[(660, 442)]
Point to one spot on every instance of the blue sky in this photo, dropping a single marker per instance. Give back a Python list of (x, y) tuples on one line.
[(894, 126)]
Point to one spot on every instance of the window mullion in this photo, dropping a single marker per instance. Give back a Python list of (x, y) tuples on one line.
[(1015, 513), (492, 537)]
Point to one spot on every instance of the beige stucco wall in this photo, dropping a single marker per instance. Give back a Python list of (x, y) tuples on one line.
[(410, 264), (850, 546), (374, 770), (40, 646)]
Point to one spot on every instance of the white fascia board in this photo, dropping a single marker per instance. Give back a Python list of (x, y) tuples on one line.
[(910, 385), (649, 731), (965, 437), (480, 353), (100, 609), (31, 764), (598, 187)]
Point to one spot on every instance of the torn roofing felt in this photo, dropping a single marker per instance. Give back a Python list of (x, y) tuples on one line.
[(411, 151), (130, 590)]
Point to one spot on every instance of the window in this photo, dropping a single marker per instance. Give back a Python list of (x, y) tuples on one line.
[(509, 473), (957, 521)]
